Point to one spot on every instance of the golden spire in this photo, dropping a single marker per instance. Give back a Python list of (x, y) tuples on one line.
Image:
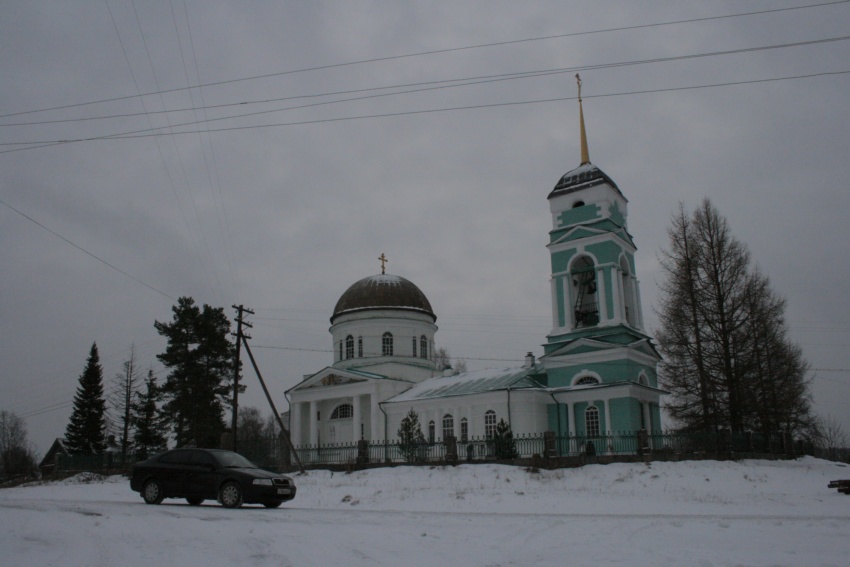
[(383, 260), (585, 155)]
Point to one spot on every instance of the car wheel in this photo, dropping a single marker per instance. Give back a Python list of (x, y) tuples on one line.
[(231, 495), (152, 492), (195, 501), (272, 503)]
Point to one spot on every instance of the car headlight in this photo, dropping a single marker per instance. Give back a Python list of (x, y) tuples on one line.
[(263, 481)]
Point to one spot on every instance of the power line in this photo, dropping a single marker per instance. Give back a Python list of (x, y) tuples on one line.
[(437, 51), (45, 144), (443, 84), (80, 248)]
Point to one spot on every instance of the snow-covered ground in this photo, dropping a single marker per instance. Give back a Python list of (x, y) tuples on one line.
[(690, 513)]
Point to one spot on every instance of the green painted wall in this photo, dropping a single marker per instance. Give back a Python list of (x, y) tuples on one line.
[(579, 215), (560, 299), (655, 411), (625, 414), (553, 410), (607, 252), (561, 260)]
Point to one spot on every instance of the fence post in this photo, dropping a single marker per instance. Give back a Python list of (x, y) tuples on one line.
[(362, 452), (549, 450), (643, 443), (451, 449)]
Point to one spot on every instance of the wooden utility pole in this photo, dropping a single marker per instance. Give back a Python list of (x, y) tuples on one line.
[(239, 337)]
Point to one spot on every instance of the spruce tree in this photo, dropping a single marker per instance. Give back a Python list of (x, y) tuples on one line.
[(85, 434), (149, 429), (200, 360), (504, 445), (410, 436)]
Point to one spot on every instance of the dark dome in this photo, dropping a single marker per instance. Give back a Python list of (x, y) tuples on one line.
[(582, 177), (383, 291)]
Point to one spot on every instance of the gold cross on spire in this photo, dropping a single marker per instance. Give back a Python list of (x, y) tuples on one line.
[(585, 154), (383, 260)]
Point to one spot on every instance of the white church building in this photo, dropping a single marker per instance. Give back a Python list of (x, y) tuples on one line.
[(597, 374)]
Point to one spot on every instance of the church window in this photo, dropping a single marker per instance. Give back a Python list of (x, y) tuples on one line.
[(587, 380), (464, 429), (359, 347), (340, 350), (423, 347), (490, 424), (414, 347), (387, 344), (591, 421), (349, 347), (642, 380), (448, 426), (343, 411), (432, 431), (578, 204), (585, 304)]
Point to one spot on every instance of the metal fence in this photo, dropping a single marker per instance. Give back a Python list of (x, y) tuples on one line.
[(721, 443), (656, 444)]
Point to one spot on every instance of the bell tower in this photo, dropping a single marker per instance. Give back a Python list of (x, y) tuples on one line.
[(594, 287)]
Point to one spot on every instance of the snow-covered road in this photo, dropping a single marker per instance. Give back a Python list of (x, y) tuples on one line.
[(697, 513)]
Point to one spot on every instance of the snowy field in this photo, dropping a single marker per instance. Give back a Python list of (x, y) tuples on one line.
[(690, 513)]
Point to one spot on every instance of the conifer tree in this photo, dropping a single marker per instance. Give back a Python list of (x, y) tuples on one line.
[(727, 360), (149, 429), (200, 360), (410, 436), (85, 434), (504, 445)]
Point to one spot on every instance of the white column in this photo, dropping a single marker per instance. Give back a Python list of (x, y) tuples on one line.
[(375, 414), (647, 417), (355, 433), (618, 294), (601, 302), (608, 416), (314, 423), (571, 419), (638, 308), (295, 424)]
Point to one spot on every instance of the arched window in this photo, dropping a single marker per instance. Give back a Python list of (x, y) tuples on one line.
[(464, 429), (414, 347), (432, 431), (578, 204), (387, 344), (349, 347), (359, 347), (591, 421), (585, 304), (423, 346), (343, 411), (642, 380), (448, 426), (490, 424), (587, 380)]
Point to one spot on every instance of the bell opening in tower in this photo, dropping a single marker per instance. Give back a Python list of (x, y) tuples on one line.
[(586, 306)]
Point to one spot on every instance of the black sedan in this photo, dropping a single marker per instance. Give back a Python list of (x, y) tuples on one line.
[(209, 474)]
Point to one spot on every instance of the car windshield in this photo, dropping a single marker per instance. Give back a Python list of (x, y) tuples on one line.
[(234, 460)]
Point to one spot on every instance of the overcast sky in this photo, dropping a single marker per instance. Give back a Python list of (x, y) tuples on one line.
[(325, 133)]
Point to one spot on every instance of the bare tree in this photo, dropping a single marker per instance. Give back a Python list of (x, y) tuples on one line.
[(443, 360), (125, 385), (17, 457), (830, 438), (728, 362)]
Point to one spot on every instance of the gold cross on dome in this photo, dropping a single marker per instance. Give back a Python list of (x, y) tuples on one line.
[(383, 260)]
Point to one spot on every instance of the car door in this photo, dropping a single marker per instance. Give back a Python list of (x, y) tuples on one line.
[(171, 470), (201, 477)]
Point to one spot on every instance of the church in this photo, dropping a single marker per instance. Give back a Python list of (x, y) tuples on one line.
[(596, 377)]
